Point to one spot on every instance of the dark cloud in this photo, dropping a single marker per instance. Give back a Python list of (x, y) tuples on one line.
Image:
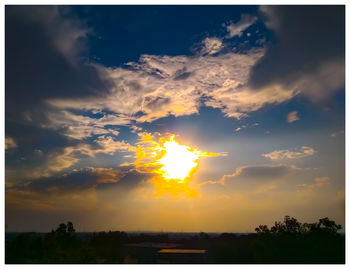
[(182, 74), (42, 50), (128, 181), (29, 137), (70, 182), (264, 171), (253, 177), (81, 179), (156, 102), (308, 38)]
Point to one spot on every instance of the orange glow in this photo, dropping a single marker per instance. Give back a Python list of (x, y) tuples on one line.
[(173, 163), (178, 160)]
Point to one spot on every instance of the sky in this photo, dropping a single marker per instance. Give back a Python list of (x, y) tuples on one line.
[(251, 97)]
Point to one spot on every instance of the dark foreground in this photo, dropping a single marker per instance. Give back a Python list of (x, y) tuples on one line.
[(286, 242)]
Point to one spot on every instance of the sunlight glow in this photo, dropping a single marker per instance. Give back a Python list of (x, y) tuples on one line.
[(172, 163), (178, 160)]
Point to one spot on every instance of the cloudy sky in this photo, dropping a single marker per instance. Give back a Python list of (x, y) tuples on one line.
[(88, 88)]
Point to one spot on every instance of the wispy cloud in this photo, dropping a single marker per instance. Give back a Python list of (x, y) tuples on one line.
[(79, 126), (319, 182), (288, 154), (240, 128), (335, 134), (236, 29), (10, 143), (292, 116)]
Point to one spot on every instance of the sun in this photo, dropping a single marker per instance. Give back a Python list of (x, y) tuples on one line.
[(172, 163), (178, 160)]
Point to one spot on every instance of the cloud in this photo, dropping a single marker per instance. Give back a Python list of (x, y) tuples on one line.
[(38, 153), (151, 89), (82, 179), (261, 171), (255, 173), (63, 30), (70, 155), (335, 134), (211, 45), (79, 126), (292, 116), (287, 154), (77, 179), (319, 182), (144, 91), (309, 53), (246, 126), (109, 145), (255, 180), (10, 143), (236, 29), (50, 40), (135, 129)]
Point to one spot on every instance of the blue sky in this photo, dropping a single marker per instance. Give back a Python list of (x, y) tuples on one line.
[(263, 88)]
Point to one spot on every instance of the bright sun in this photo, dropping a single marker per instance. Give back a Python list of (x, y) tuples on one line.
[(178, 160), (167, 157)]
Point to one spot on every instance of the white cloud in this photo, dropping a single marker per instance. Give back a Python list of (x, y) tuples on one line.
[(292, 116), (109, 145), (159, 86), (236, 29), (10, 143), (79, 127), (71, 155), (240, 128), (135, 129), (211, 45), (287, 154)]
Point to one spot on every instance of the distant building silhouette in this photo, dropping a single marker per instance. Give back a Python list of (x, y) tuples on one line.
[(182, 256), (145, 252)]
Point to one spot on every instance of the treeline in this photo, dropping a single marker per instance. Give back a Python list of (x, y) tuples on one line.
[(295, 242), (288, 241)]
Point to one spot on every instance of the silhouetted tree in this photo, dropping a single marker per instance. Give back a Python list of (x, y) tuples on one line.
[(262, 229), (62, 229), (328, 225), (292, 226), (293, 242), (287, 241), (70, 228)]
